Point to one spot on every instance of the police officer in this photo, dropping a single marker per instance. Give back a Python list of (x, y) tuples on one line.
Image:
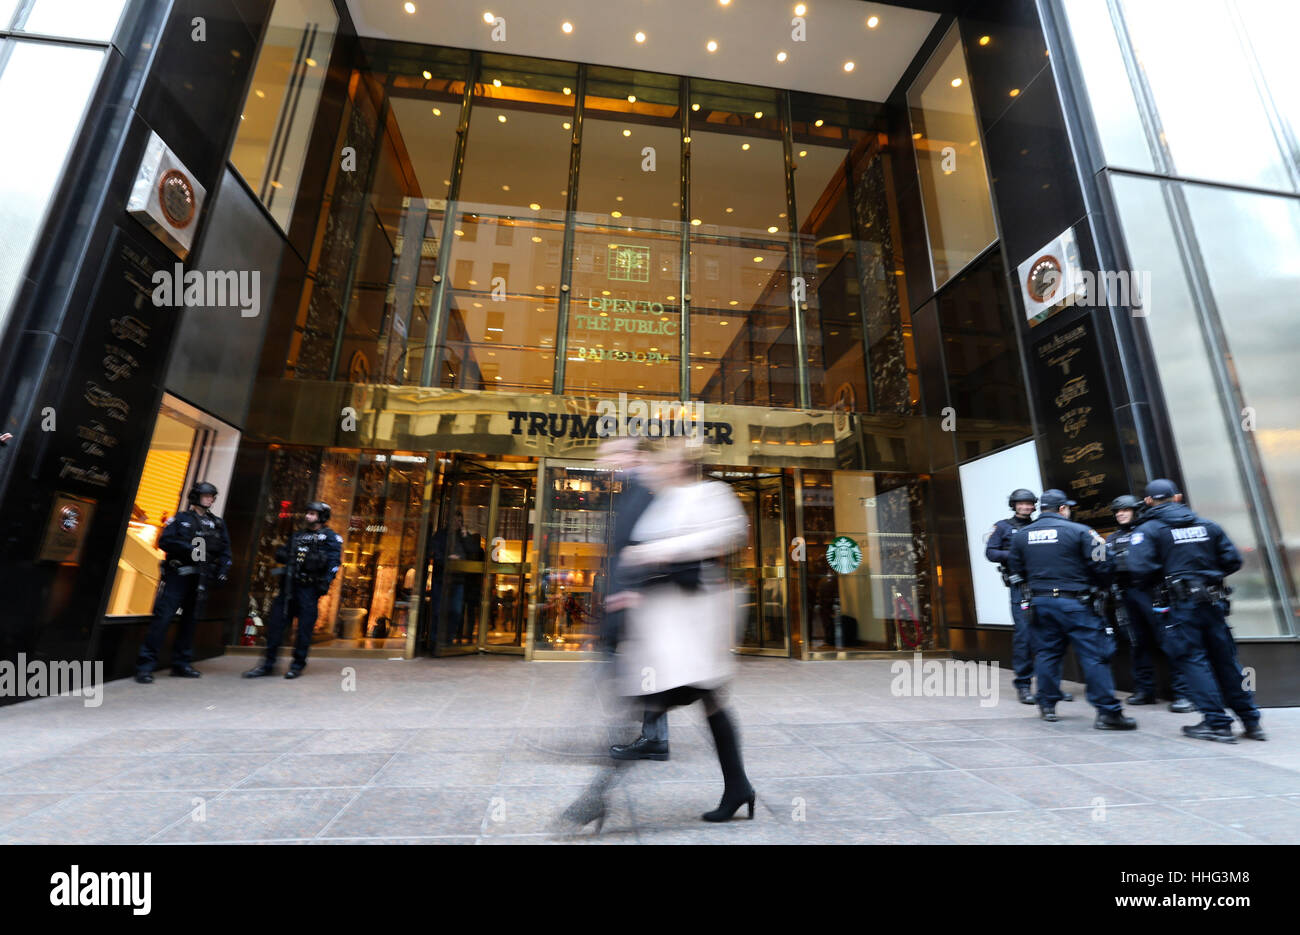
[(1186, 558), (997, 550), (1132, 606), (311, 559), (1061, 562), (197, 551)]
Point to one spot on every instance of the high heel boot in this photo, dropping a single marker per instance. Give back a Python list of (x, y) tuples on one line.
[(736, 789)]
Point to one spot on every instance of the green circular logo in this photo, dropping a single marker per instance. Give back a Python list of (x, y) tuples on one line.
[(844, 555)]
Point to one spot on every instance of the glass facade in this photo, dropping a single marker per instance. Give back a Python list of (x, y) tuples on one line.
[(523, 225), (1217, 230)]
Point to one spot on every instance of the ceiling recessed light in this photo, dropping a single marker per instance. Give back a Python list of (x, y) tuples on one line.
[(744, 146), (437, 112), (1015, 91), (773, 229), (733, 302), (802, 153), (616, 214), (460, 233), (566, 27), (505, 188), (534, 206), (487, 18), (695, 107), (427, 74), (984, 40), (501, 118), (568, 90), (536, 239), (725, 2), (496, 82), (696, 222), (627, 132), (729, 210), (758, 259), (848, 66), (409, 7), (567, 125), (873, 22), (800, 9), (711, 45), (631, 98), (780, 56), (916, 136), (639, 37), (685, 139), (260, 93), (818, 123), (723, 323), (758, 115), (956, 82), (618, 197)]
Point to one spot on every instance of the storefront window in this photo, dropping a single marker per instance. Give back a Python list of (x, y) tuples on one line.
[(377, 507), (950, 161), (184, 439), (279, 113), (867, 575), (577, 521)]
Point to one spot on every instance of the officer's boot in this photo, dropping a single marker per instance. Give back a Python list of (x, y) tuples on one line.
[(1254, 731), (295, 670), (1114, 720), (1203, 731), (261, 670)]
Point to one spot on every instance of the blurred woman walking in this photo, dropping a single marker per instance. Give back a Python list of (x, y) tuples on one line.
[(680, 615)]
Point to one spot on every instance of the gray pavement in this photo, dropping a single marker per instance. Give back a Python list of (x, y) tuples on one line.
[(489, 750)]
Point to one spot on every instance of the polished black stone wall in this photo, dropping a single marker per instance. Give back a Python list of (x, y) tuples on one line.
[(158, 78)]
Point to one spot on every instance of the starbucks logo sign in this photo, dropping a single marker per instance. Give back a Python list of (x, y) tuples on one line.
[(844, 555)]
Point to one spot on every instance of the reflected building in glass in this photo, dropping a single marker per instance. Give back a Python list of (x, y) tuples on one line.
[(859, 259)]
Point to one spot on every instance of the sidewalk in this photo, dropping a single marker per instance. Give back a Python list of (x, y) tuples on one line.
[(489, 750)]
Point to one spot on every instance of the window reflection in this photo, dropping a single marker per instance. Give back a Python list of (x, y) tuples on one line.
[(1201, 433), (508, 240), (950, 161), (279, 113), (1251, 246), (743, 348)]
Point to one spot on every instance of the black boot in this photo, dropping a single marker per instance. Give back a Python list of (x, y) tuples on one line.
[(186, 672), (1140, 697), (1203, 731), (261, 670), (1254, 731), (736, 788), (1114, 720), (1025, 695), (1182, 706), (640, 749)]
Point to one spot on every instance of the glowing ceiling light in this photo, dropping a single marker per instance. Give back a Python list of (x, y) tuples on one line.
[(873, 22), (848, 66), (640, 37), (711, 45), (780, 56), (566, 27)]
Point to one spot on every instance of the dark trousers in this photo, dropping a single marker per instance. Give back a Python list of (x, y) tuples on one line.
[(1022, 642), (1147, 630), (1059, 622), (300, 603), (174, 591), (1198, 639)]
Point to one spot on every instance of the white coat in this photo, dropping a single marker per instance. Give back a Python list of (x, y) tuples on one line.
[(673, 636)]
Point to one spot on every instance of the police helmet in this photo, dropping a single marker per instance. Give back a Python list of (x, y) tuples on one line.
[(1125, 502), (1054, 499), (199, 489), (1020, 495), (1162, 489), (322, 510)]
